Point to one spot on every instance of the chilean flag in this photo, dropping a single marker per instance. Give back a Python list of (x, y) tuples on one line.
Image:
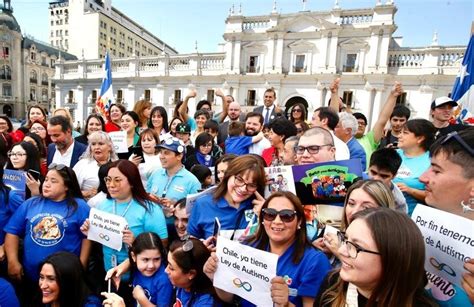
[(463, 90), (106, 95)]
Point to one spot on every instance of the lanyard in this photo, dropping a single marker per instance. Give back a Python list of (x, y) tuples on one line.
[(165, 190), (126, 209)]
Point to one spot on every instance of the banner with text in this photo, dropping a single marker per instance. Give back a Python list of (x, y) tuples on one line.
[(119, 139), (106, 228), (449, 241), (245, 271)]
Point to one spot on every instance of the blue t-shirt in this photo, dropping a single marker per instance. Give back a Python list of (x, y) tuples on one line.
[(198, 299), (206, 209), (177, 187), (409, 174), (357, 152), (158, 288), (47, 227), (7, 294), (445, 293), (304, 278), (7, 209), (238, 145), (139, 220)]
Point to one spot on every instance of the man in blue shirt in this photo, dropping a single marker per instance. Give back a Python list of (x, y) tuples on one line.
[(346, 130), (173, 181)]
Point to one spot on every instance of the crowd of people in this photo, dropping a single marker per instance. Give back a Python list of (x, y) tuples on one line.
[(168, 255)]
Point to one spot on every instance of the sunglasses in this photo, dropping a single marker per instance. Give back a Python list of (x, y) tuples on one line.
[(286, 215), (297, 110), (57, 167), (454, 135)]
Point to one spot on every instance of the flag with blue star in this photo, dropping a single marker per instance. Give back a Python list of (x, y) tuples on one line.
[(463, 90), (106, 95)]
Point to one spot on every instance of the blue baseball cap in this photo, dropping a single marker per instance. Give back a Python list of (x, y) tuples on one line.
[(173, 144)]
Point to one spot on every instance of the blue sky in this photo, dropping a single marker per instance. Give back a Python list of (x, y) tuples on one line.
[(182, 22)]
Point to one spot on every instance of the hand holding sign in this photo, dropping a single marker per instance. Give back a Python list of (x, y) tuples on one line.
[(244, 271), (106, 228)]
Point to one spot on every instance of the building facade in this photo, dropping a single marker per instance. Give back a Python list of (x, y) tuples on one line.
[(26, 68), (86, 28), (297, 54)]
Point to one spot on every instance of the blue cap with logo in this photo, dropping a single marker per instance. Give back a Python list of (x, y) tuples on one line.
[(173, 144)]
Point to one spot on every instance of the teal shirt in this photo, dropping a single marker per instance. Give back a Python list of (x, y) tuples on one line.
[(139, 220), (175, 188)]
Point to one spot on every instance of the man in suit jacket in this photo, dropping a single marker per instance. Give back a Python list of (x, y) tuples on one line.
[(64, 149), (269, 110), (234, 113)]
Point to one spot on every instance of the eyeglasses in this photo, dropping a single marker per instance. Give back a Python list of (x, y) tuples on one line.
[(207, 145), (353, 249), (286, 215), (454, 135), (15, 154), (240, 182), (313, 149), (57, 167), (297, 110), (37, 129), (362, 124), (116, 180)]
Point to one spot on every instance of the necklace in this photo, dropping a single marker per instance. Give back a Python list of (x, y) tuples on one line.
[(125, 211)]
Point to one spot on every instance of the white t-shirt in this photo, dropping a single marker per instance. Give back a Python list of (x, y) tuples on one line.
[(259, 147), (342, 151), (87, 173), (65, 159)]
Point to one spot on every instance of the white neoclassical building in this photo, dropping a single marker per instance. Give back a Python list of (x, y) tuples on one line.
[(297, 54)]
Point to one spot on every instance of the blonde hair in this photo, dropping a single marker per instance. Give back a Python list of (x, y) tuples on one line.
[(99, 136), (68, 114)]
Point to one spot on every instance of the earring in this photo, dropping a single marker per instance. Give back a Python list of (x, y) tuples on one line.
[(467, 208), (299, 227)]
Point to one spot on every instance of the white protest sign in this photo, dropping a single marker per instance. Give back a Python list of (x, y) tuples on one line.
[(119, 139), (245, 271), (449, 241), (106, 228)]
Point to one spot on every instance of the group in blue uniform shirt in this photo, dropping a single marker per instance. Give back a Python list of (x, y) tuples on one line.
[(158, 287)]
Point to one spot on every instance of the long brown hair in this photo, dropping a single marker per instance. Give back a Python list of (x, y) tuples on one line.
[(376, 189), (139, 107), (238, 166), (402, 254), (261, 240), (130, 170)]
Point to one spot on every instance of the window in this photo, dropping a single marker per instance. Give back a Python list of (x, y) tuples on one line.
[(177, 96), (93, 96), (402, 99), (251, 94), (350, 65), (6, 90), (33, 56), (70, 97), (299, 63), (44, 79), (44, 62), (33, 77), (253, 64), (147, 95), (347, 98), (210, 96), (119, 96), (44, 94), (6, 73), (33, 94)]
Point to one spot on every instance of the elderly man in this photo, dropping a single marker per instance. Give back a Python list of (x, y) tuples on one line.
[(63, 149), (346, 130)]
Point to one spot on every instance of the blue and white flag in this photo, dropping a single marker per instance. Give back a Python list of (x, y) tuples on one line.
[(463, 90), (106, 95)]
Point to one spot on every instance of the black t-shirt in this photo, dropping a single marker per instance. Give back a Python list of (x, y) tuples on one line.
[(440, 132), (388, 139)]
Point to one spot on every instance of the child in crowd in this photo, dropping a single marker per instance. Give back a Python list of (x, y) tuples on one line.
[(238, 143), (151, 284), (203, 174)]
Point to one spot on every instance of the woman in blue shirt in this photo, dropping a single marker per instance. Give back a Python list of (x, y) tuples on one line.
[(185, 270), (129, 200), (47, 224), (231, 201), (413, 143), (300, 269)]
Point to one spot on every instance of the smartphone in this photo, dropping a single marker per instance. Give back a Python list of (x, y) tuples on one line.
[(215, 232), (35, 174), (395, 144), (138, 151)]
